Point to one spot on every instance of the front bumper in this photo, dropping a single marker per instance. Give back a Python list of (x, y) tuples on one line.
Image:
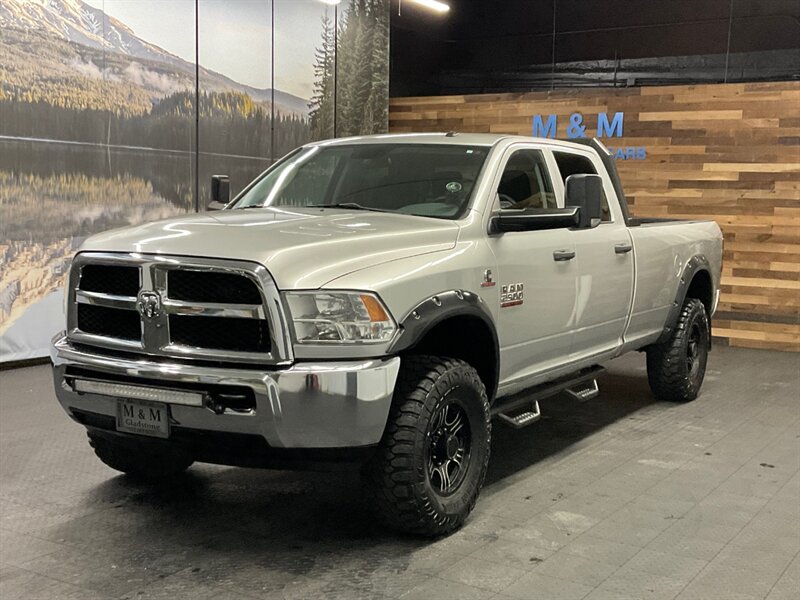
[(308, 405)]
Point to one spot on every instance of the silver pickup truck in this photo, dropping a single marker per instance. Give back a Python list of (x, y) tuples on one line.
[(378, 301)]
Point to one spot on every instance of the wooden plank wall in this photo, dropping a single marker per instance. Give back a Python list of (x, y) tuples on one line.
[(727, 152)]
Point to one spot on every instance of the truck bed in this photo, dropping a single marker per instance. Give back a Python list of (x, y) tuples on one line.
[(662, 249)]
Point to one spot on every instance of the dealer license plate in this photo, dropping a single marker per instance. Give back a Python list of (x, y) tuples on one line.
[(143, 418)]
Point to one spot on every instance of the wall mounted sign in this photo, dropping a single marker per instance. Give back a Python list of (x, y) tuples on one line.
[(607, 127)]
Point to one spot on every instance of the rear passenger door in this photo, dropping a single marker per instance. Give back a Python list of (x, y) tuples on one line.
[(605, 265)]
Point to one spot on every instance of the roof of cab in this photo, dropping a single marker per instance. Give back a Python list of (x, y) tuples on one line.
[(466, 139)]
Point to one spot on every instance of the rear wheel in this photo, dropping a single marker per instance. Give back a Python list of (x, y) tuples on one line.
[(141, 460), (428, 472), (676, 368)]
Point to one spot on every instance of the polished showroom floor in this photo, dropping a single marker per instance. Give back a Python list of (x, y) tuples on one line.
[(619, 497)]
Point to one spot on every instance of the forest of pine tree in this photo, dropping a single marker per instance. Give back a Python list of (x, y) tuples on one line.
[(230, 123), (355, 62)]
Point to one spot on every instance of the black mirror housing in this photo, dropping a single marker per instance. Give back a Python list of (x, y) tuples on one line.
[(220, 192), (534, 219), (585, 192)]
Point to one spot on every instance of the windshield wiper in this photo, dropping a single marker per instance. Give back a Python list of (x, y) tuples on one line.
[(350, 205), (248, 206)]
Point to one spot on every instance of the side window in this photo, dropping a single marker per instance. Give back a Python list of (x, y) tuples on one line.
[(575, 164), (525, 182)]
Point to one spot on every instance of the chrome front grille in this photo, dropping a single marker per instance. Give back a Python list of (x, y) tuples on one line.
[(187, 308)]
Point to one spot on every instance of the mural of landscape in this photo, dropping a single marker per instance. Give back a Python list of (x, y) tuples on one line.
[(100, 125)]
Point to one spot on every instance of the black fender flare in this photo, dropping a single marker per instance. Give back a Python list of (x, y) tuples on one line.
[(435, 309), (693, 266)]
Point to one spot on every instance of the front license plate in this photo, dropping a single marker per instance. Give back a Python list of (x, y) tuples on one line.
[(143, 418)]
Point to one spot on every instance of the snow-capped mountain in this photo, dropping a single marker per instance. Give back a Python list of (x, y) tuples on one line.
[(77, 22)]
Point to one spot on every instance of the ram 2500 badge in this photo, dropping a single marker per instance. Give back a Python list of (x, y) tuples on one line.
[(380, 300)]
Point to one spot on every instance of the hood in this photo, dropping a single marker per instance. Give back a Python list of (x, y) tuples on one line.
[(301, 247)]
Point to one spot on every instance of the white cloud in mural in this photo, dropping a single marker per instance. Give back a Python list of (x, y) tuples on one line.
[(144, 77)]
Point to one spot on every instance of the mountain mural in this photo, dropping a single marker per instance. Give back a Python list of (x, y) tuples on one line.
[(101, 128), (72, 39)]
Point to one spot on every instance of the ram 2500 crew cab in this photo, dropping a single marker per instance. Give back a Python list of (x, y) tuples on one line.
[(380, 299)]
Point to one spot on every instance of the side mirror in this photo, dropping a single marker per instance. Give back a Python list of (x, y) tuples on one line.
[(585, 192), (220, 192), (534, 219)]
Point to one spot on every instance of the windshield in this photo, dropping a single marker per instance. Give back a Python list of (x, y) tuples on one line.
[(418, 179)]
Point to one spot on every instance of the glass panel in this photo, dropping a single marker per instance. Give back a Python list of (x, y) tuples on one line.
[(235, 91), (304, 69), (362, 74), (101, 113)]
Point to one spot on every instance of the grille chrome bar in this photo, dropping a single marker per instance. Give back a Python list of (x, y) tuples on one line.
[(154, 274), (194, 352), (214, 309), (91, 339), (107, 300)]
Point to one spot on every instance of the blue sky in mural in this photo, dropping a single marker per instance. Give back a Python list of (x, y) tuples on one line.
[(235, 36)]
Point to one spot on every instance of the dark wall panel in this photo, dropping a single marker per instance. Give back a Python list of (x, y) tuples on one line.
[(524, 45)]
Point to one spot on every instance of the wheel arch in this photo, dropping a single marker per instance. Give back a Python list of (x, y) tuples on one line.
[(456, 324), (695, 282)]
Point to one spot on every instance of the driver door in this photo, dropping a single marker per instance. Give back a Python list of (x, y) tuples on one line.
[(537, 273)]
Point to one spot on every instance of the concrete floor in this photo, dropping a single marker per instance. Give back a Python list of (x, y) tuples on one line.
[(620, 497)]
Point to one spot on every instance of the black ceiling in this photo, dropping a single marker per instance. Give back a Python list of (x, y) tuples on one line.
[(510, 44)]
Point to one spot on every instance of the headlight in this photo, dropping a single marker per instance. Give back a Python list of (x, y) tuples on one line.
[(339, 318)]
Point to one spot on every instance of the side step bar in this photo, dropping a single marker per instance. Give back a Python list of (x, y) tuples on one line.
[(584, 391), (524, 418), (522, 409)]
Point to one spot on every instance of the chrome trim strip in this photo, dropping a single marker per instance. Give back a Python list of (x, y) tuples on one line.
[(101, 341), (187, 352), (213, 309), (107, 300)]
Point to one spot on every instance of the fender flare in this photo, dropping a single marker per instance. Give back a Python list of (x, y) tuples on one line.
[(426, 315), (693, 266)]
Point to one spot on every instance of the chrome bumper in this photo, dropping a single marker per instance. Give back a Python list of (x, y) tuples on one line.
[(308, 405)]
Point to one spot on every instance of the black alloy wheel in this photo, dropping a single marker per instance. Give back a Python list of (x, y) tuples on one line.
[(429, 468), (448, 448)]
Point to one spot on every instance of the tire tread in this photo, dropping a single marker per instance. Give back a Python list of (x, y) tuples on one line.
[(392, 482), (666, 361)]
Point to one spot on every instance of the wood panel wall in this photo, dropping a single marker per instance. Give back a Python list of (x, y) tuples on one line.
[(728, 152)]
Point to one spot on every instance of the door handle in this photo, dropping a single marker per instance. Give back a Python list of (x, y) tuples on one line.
[(562, 255), (622, 248)]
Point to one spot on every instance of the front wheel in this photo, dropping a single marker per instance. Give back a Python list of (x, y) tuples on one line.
[(676, 368), (430, 466)]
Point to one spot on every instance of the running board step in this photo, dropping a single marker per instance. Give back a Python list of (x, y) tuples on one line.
[(522, 408), (585, 391), (523, 419)]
